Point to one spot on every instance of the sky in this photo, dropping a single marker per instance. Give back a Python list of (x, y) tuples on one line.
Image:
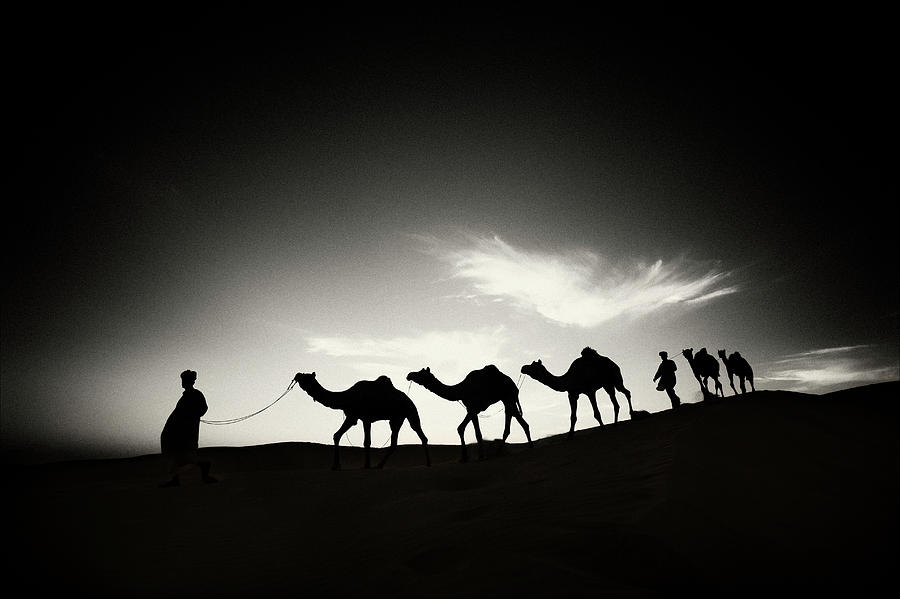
[(360, 195)]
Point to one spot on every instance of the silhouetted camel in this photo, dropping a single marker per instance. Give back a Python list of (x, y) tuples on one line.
[(586, 374), (367, 401), (480, 389), (736, 365), (704, 367)]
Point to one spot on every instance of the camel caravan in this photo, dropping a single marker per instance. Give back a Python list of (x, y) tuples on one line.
[(371, 401)]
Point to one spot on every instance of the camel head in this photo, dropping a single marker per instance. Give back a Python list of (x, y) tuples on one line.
[(535, 369), (721, 353), (688, 353), (422, 377), (304, 379)]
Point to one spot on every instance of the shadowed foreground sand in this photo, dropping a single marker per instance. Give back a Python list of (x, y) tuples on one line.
[(765, 492)]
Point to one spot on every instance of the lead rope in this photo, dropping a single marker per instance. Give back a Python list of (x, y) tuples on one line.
[(242, 418), (521, 381)]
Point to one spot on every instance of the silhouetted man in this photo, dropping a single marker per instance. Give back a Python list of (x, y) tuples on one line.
[(180, 436), (666, 376)]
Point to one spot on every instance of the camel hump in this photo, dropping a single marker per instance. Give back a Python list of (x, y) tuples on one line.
[(380, 385), (593, 364), (487, 373), (592, 355), (494, 373), (384, 381), (590, 352)]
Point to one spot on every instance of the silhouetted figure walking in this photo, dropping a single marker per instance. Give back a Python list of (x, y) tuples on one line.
[(180, 436), (368, 401), (736, 365), (479, 390), (665, 374)]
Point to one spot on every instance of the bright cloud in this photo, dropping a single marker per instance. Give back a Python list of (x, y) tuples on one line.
[(826, 369), (452, 351), (577, 288)]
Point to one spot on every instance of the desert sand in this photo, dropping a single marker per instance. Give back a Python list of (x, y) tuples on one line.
[(767, 492)]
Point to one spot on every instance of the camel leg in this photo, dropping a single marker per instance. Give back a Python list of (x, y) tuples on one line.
[(478, 436), (395, 431), (517, 413), (592, 397), (348, 423), (367, 440), (718, 387), (461, 429), (621, 387), (750, 378), (573, 405), (731, 379), (416, 425), (518, 416), (508, 417), (612, 397)]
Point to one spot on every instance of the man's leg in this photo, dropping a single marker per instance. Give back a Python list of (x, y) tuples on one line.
[(676, 401)]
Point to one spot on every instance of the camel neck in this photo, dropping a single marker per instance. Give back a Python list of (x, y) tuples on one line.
[(448, 392), (330, 399), (557, 383)]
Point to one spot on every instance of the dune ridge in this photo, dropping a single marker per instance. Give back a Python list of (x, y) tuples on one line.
[(765, 491)]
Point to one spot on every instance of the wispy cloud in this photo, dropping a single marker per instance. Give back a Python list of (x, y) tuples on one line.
[(827, 369), (828, 351), (578, 288), (454, 352)]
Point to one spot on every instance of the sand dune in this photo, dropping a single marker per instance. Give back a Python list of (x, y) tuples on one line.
[(764, 492)]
